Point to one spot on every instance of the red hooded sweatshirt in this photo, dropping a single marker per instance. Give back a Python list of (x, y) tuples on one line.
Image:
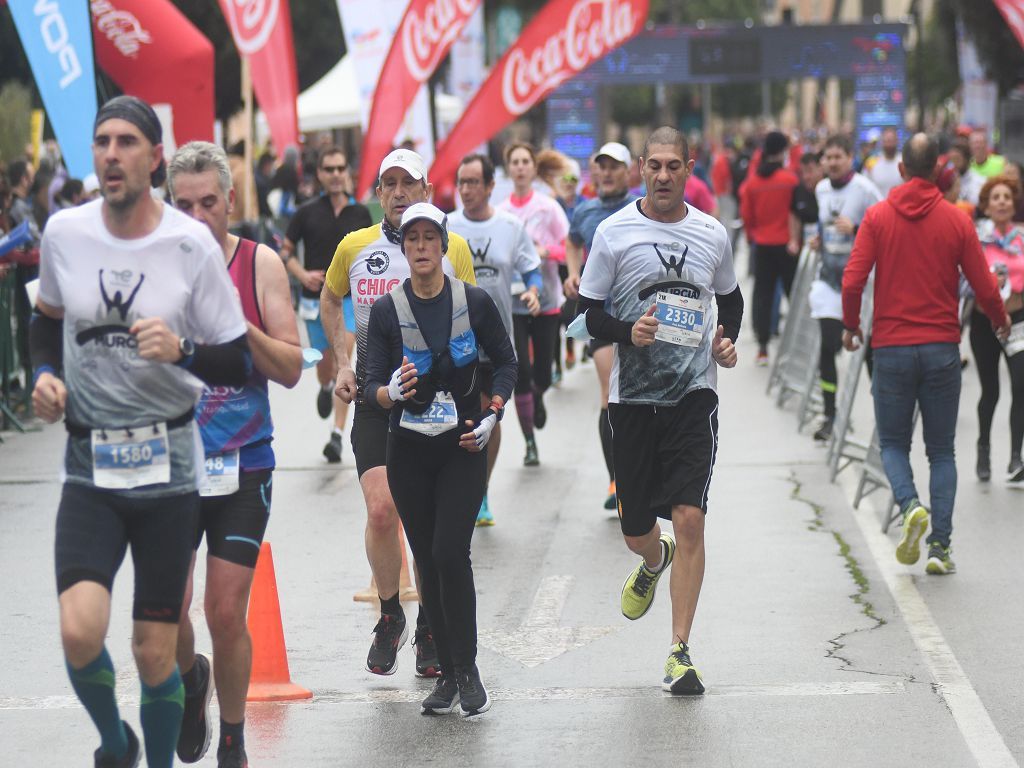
[(918, 243)]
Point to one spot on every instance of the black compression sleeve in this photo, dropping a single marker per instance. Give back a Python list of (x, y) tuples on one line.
[(730, 313), (224, 365), (45, 339), (603, 326)]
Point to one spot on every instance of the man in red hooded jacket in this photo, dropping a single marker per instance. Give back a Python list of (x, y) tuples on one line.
[(918, 244), (765, 200)]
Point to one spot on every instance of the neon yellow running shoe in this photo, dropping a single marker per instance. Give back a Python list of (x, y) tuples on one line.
[(915, 525), (638, 591), (681, 677)]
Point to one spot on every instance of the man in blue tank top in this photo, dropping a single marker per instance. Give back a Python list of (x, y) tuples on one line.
[(237, 430)]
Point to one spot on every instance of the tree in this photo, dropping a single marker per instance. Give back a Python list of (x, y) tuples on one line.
[(998, 49)]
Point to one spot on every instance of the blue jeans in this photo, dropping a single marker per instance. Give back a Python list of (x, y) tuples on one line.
[(927, 375)]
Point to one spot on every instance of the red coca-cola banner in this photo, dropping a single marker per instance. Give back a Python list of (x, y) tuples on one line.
[(1013, 12), (152, 51), (262, 30), (421, 42), (563, 39)]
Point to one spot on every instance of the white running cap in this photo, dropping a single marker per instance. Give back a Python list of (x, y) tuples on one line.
[(615, 151), (407, 160), (431, 213)]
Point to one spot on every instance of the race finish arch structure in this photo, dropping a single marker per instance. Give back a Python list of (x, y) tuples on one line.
[(871, 55)]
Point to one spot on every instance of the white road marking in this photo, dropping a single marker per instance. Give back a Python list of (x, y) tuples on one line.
[(540, 638), (979, 732), (395, 696)]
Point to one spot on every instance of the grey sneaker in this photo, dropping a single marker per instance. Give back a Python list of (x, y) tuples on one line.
[(472, 694), (939, 561), (443, 699)]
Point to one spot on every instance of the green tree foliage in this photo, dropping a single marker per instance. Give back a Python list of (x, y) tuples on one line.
[(691, 11), (999, 51), (936, 59), (15, 109)]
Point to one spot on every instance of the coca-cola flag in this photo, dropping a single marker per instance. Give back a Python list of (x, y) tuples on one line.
[(152, 51), (564, 38), (1013, 12), (262, 30), (422, 40)]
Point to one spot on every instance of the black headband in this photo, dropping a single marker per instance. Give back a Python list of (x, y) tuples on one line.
[(141, 115)]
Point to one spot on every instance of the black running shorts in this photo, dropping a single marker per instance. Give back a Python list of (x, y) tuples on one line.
[(95, 528), (369, 437), (664, 457), (234, 525)]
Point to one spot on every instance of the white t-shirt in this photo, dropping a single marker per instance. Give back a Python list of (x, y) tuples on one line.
[(852, 201), (885, 173), (631, 260), (501, 250), (105, 284)]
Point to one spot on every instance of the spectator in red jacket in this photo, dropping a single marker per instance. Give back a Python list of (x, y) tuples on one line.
[(765, 200), (918, 244)]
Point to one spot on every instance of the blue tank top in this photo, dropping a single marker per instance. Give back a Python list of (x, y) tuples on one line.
[(233, 418)]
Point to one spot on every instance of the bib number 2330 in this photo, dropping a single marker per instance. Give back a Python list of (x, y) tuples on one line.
[(680, 320)]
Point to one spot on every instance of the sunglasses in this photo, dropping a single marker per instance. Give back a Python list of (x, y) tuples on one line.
[(333, 168)]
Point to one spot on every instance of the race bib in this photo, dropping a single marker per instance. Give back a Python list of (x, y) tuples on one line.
[(128, 458), (221, 474), (309, 309), (440, 417), (1015, 342), (835, 241), (680, 320)]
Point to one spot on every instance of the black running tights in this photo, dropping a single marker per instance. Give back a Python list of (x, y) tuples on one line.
[(542, 330), (987, 350), (831, 344), (438, 487), (771, 263)]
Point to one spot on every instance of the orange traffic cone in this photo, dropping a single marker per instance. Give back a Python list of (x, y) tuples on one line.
[(406, 590), (270, 679)]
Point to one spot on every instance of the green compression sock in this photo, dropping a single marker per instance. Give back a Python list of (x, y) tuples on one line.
[(162, 706), (94, 686)]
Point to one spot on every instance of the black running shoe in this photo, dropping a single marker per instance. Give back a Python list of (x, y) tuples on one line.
[(540, 413), (332, 451), (390, 635), (232, 756), (427, 663), (194, 738), (472, 694), (131, 757), (325, 402), (531, 459), (824, 432), (443, 699)]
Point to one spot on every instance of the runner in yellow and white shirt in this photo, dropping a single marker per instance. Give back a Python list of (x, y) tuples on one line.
[(368, 264)]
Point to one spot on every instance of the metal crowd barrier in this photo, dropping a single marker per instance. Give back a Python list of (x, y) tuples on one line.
[(8, 362), (843, 450), (796, 363)]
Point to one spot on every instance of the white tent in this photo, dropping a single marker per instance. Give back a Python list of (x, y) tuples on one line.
[(333, 102)]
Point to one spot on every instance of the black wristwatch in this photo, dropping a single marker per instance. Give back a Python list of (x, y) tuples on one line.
[(187, 349)]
